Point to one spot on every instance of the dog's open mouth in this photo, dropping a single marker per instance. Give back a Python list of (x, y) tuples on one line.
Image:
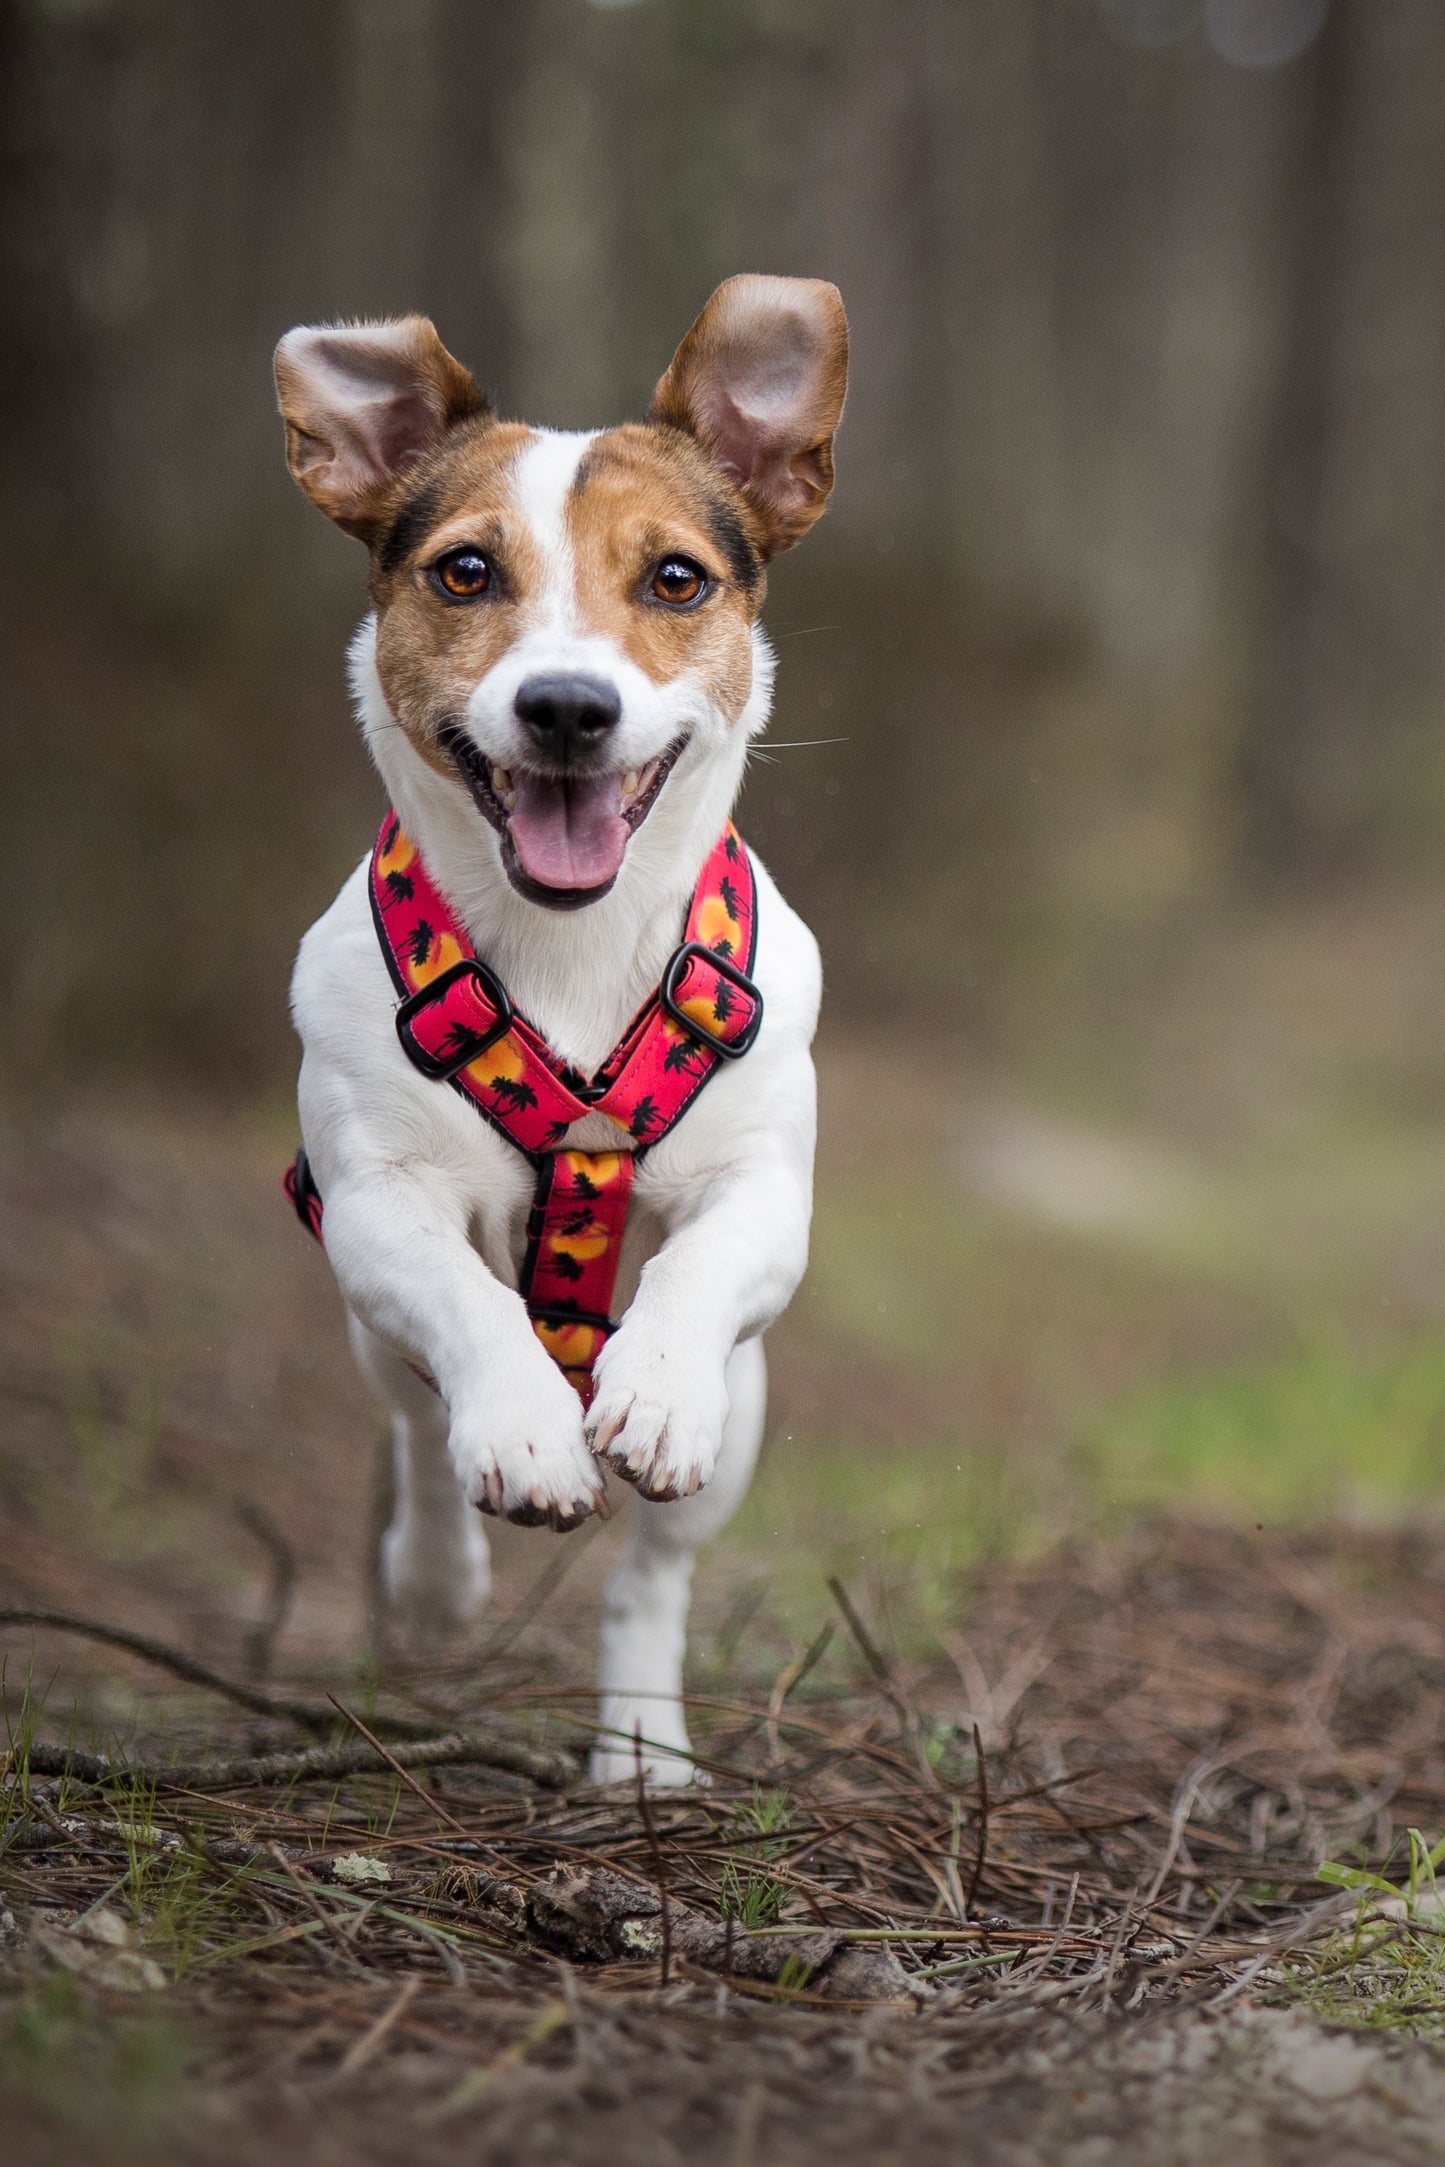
[(563, 836)]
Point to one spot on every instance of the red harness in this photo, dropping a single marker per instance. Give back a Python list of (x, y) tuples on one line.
[(457, 1026)]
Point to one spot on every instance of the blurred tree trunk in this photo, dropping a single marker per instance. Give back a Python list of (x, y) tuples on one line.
[(1301, 766), (1349, 548)]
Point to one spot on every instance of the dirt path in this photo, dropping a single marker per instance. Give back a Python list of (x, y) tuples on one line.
[(1115, 1946), (1262, 2088)]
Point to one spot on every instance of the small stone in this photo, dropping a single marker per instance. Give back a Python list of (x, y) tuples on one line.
[(357, 1868), (105, 1926), (102, 1949), (1328, 2068)]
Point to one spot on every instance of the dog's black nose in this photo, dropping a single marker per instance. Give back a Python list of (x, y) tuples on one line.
[(567, 712)]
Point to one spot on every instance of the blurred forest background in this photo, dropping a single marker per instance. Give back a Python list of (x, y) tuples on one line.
[(1110, 760), (1129, 606)]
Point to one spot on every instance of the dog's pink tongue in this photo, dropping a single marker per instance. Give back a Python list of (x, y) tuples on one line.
[(568, 834)]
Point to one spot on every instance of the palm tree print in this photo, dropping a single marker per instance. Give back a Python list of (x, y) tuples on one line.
[(576, 1222), (400, 888), (418, 944), (644, 1114), (513, 1096), (459, 1042), (556, 1130), (565, 1265), (683, 1059), (730, 900), (583, 1183), (724, 1002)]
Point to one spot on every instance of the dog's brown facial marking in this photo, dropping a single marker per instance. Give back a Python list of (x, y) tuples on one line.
[(562, 619), (433, 647), (656, 562), (664, 565)]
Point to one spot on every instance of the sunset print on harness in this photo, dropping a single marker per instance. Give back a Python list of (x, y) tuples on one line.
[(458, 1026)]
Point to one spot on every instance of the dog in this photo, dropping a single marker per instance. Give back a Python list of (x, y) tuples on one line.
[(559, 679)]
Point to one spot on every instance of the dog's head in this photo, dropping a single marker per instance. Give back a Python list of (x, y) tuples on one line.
[(563, 619)]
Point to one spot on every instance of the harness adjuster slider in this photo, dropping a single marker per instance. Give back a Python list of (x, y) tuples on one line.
[(727, 1049), (441, 1067)]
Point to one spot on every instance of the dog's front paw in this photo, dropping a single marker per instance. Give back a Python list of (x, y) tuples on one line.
[(519, 1451), (657, 1418)]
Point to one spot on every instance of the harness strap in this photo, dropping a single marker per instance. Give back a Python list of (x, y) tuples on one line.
[(457, 1026), (574, 1239)]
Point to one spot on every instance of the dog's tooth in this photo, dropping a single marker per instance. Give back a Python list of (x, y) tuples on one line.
[(501, 778), (629, 782)]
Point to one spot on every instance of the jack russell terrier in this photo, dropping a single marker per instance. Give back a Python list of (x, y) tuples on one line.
[(510, 1013)]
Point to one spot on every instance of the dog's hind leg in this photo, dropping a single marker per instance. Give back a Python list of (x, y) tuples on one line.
[(435, 1569), (644, 1622)]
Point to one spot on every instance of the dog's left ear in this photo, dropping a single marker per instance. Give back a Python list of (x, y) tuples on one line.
[(759, 382), (362, 403)]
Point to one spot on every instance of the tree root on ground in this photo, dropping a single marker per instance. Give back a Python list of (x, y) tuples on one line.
[(539, 1764), (596, 1916)]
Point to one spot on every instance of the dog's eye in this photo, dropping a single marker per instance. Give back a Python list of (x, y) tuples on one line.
[(678, 579), (462, 573)]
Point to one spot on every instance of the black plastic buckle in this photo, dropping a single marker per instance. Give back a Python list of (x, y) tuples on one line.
[(727, 1049), (442, 1071)]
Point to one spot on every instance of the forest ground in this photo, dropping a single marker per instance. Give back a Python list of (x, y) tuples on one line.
[(1120, 1442)]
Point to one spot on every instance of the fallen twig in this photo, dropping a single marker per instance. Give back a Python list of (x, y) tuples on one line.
[(365, 2047), (658, 1866), (602, 1917), (311, 1715), (317, 1716), (554, 1771), (400, 1767), (981, 1849)]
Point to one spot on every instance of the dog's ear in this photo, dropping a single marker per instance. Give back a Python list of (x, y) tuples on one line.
[(361, 403), (759, 381)]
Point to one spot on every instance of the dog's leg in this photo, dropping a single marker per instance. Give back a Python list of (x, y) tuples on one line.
[(719, 1280), (396, 1238), (645, 1611), (435, 1570)]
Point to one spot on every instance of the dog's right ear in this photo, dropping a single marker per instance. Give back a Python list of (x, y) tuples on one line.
[(759, 382), (362, 403)]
